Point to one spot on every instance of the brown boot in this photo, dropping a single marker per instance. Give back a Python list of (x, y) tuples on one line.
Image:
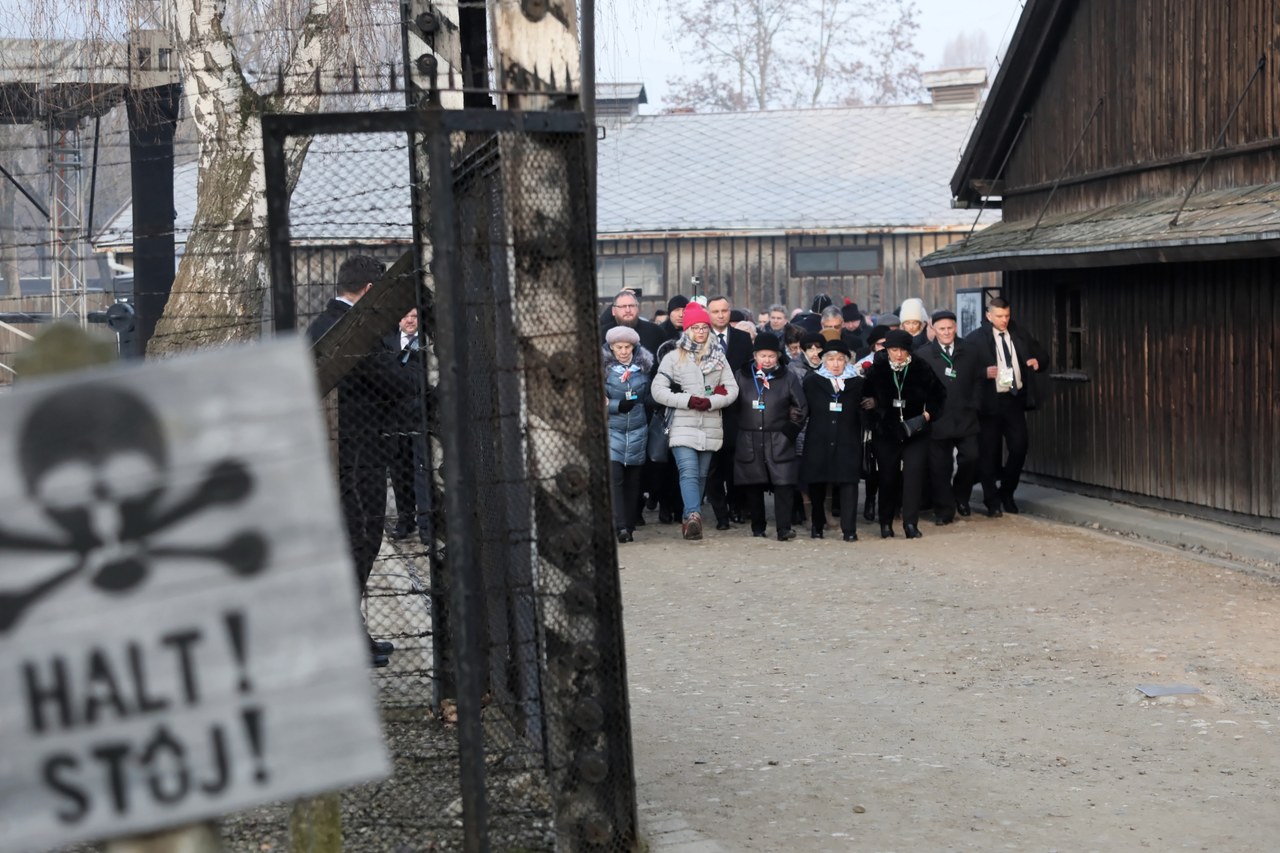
[(692, 526)]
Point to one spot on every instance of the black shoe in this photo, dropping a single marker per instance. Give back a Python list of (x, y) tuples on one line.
[(665, 517), (869, 510), (640, 521), (815, 533), (851, 537), (963, 510), (403, 529), (624, 536), (759, 534), (943, 522), (912, 531), (786, 535), (381, 647), (994, 512), (723, 525), (1009, 506), (378, 661), (651, 504), (735, 516), (886, 531)]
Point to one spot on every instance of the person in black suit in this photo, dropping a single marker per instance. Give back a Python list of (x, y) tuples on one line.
[(953, 440), (626, 312), (1011, 360), (365, 401), (903, 389), (406, 447), (737, 346)]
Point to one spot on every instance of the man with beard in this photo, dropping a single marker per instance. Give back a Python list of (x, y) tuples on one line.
[(626, 312)]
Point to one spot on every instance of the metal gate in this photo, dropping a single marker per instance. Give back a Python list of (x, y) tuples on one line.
[(508, 603)]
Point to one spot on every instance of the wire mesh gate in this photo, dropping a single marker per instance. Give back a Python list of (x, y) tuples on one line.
[(499, 587)]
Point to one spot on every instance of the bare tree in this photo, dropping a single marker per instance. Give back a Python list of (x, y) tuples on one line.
[(968, 50), (295, 49), (762, 54)]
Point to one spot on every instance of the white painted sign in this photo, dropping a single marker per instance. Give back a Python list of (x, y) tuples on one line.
[(179, 632)]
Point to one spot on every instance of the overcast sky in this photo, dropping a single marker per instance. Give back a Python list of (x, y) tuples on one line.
[(636, 43)]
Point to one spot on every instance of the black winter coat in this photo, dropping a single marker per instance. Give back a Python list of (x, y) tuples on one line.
[(921, 390), (984, 344), (833, 440), (960, 418), (765, 451)]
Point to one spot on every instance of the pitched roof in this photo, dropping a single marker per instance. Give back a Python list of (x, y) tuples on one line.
[(353, 189), (855, 168), (861, 168)]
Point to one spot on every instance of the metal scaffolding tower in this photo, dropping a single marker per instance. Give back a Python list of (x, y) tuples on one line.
[(66, 221)]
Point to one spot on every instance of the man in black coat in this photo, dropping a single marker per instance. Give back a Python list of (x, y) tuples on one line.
[(675, 315), (737, 345), (1010, 360), (365, 409), (902, 394), (405, 442), (626, 312), (953, 439)]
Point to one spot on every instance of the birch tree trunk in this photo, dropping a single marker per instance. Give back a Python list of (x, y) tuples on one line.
[(221, 284)]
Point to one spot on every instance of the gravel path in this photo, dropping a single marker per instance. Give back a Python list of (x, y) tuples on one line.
[(972, 690)]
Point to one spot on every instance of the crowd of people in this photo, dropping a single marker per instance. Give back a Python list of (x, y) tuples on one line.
[(708, 405)]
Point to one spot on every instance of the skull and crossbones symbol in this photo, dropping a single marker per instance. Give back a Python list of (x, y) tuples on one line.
[(95, 460)]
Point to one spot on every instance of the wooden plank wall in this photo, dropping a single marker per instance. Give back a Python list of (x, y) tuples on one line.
[(755, 271), (1183, 398), (1170, 72)]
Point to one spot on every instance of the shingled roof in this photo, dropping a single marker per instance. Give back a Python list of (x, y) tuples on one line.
[(856, 168)]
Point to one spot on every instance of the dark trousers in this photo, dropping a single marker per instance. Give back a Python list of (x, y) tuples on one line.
[(626, 481), (362, 491), (848, 509), (720, 491), (782, 503), (946, 455), (670, 504), (400, 467), (1004, 430), (904, 467)]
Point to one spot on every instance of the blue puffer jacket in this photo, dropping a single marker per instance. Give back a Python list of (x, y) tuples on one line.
[(629, 431)]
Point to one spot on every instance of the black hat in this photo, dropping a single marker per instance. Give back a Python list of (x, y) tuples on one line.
[(677, 301), (808, 339), (942, 315), (899, 339), (877, 333), (737, 315), (836, 345), (768, 341), (850, 312), (820, 302)]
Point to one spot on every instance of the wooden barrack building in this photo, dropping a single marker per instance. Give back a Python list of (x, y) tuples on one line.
[(1135, 151)]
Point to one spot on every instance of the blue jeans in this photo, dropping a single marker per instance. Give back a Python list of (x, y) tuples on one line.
[(692, 465)]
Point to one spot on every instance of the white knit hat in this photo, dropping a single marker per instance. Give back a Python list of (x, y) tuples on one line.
[(913, 309)]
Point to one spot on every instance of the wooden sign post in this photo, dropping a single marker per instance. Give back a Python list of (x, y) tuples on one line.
[(179, 632)]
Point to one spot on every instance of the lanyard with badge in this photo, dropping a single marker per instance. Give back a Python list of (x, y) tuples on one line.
[(758, 405), (899, 403), (951, 365), (625, 376)]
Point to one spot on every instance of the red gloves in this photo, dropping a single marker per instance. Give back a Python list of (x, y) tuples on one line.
[(721, 390), (701, 404)]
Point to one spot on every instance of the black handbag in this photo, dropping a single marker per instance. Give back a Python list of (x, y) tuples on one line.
[(911, 427), (659, 440)]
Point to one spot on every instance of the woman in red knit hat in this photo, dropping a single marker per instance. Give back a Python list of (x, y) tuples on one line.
[(696, 382)]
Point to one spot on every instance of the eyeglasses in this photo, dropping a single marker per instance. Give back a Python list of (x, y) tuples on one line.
[(626, 305), (700, 327)]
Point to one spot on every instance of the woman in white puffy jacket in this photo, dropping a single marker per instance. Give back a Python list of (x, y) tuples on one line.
[(695, 381)]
